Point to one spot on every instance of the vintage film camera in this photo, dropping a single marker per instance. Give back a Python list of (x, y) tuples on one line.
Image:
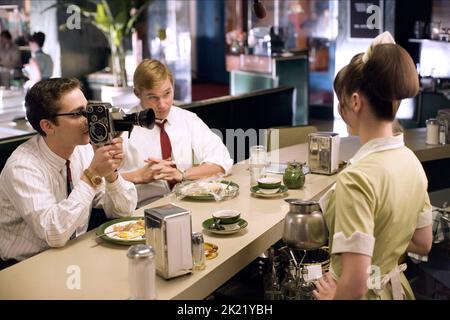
[(104, 121)]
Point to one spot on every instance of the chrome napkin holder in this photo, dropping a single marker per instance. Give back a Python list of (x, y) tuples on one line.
[(323, 152), (168, 230)]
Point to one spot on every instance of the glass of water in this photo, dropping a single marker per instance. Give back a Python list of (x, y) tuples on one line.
[(258, 163)]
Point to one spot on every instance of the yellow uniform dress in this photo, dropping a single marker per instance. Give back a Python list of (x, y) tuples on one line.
[(377, 203)]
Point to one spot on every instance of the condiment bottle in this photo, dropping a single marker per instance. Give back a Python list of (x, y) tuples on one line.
[(432, 131), (198, 251), (141, 272)]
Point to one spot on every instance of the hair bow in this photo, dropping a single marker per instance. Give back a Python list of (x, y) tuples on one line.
[(383, 38)]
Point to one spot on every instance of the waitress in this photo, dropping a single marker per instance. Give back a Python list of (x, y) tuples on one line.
[(379, 207)]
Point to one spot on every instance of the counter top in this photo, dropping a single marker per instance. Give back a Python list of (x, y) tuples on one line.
[(11, 104), (12, 130), (102, 267), (414, 139), (259, 63)]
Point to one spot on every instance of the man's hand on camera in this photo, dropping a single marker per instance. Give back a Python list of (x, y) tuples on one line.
[(107, 159)]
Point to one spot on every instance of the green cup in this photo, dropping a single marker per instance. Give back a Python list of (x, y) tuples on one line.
[(269, 184), (228, 219)]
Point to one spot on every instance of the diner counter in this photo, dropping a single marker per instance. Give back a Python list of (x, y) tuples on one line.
[(103, 267), (414, 139), (15, 130), (11, 104)]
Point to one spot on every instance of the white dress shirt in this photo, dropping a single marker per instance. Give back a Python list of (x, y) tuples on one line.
[(192, 143), (35, 212)]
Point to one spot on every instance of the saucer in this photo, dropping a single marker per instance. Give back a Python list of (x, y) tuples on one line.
[(255, 190), (268, 191), (209, 222)]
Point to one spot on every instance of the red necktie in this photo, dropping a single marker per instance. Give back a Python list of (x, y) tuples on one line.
[(166, 148)]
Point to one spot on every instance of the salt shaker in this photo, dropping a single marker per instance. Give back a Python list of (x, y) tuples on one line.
[(141, 272), (432, 131), (198, 251)]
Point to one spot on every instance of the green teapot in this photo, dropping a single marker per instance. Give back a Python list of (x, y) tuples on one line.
[(293, 177)]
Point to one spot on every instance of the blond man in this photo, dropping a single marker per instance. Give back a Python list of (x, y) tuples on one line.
[(158, 158)]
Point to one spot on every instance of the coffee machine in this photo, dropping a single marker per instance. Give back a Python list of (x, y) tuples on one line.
[(303, 258)]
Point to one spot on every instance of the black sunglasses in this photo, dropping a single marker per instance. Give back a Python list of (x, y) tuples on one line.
[(76, 114)]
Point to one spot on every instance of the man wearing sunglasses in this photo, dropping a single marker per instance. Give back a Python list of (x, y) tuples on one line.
[(51, 182)]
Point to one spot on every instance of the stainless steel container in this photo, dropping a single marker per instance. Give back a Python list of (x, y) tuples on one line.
[(168, 231), (323, 152), (141, 272), (304, 225)]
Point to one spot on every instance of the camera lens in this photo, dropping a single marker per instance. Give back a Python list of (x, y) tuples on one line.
[(100, 109), (146, 118), (89, 109), (98, 132)]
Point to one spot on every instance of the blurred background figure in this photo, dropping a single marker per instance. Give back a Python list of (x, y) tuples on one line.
[(9, 58), (40, 65)]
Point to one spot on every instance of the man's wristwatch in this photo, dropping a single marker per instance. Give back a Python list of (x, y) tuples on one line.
[(94, 179), (183, 174)]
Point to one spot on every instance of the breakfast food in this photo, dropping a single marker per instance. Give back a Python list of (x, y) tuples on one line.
[(203, 189), (130, 230)]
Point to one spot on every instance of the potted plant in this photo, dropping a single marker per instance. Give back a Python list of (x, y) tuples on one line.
[(115, 19)]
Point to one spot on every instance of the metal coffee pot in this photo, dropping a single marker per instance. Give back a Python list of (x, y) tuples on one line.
[(304, 225)]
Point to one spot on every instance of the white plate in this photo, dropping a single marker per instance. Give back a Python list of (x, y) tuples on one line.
[(114, 234)]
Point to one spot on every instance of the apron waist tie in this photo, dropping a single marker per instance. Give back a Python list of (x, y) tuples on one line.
[(394, 278)]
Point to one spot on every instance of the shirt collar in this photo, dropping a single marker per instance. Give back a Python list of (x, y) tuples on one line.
[(52, 158), (378, 145), (169, 119)]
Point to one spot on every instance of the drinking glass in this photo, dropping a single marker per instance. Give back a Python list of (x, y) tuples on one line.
[(258, 163)]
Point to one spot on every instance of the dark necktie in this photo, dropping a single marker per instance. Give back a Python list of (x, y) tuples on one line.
[(166, 148), (68, 178), (69, 187)]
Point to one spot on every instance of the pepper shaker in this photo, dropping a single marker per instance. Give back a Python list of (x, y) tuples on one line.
[(198, 251)]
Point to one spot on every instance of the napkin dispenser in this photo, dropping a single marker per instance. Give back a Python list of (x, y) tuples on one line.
[(168, 230), (323, 152)]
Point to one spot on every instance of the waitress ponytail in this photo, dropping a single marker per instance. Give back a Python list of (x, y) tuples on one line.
[(387, 76)]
